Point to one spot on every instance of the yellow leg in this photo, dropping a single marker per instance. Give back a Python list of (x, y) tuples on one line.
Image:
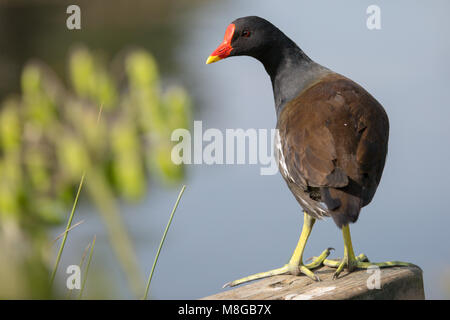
[(360, 262), (295, 265)]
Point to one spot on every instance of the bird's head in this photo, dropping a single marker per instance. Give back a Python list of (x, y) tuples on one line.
[(248, 36)]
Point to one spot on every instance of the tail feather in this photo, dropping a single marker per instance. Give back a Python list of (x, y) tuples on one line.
[(344, 206)]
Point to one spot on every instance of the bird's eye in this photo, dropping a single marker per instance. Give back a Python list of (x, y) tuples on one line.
[(246, 33)]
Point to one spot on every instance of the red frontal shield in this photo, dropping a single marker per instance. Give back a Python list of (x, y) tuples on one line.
[(224, 49)]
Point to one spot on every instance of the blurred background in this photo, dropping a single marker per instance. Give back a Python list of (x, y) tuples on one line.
[(143, 64)]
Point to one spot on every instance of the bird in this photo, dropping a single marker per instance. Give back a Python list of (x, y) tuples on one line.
[(331, 140)]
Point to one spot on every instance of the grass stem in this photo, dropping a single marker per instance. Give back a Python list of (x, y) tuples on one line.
[(66, 232), (72, 213), (161, 243), (83, 257), (87, 268)]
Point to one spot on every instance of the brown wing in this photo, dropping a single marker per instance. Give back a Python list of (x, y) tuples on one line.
[(334, 137)]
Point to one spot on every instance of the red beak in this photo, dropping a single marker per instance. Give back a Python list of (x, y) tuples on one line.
[(225, 47)]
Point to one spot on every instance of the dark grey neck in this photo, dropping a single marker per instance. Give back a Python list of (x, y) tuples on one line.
[(290, 70)]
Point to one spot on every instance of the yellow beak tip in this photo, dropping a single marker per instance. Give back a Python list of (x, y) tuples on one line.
[(212, 59)]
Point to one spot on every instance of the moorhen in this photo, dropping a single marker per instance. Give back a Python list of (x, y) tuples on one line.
[(331, 142)]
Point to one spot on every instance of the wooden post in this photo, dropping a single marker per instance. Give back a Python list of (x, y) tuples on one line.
[(395, 283)]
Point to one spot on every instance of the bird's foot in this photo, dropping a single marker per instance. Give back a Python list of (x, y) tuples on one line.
[(361, 262), (290, 268)]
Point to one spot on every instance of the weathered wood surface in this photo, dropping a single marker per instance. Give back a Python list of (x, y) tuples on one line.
[(395, 283)]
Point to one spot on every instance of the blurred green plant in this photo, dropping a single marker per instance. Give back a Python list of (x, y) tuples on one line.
[(50, 138)]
